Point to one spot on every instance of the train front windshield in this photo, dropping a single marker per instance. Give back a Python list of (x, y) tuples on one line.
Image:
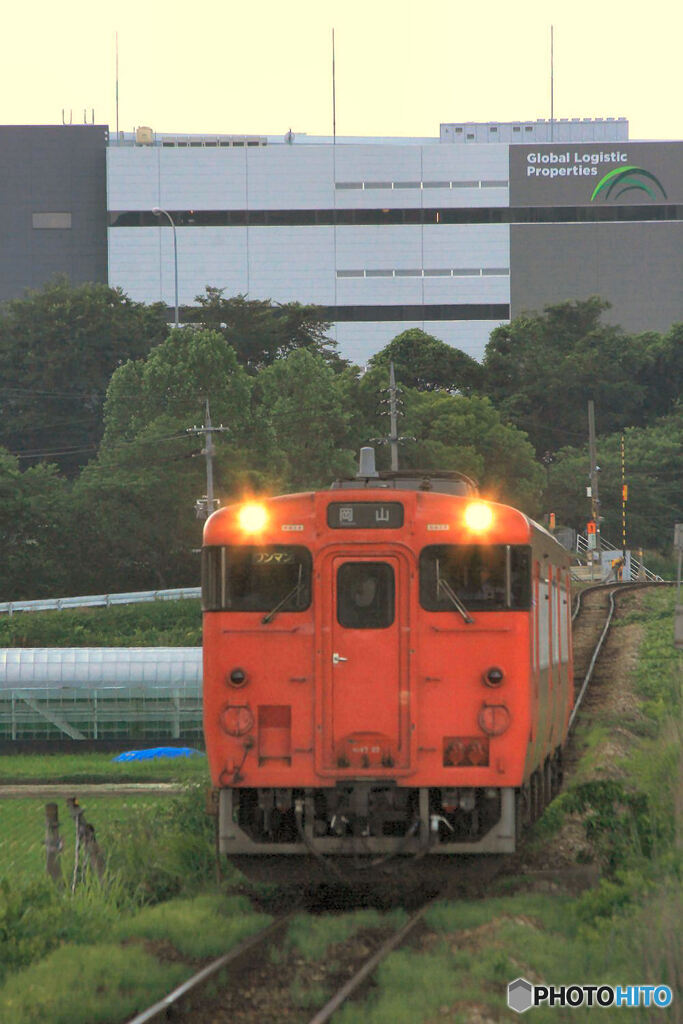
[(486, 577), (256, 579)]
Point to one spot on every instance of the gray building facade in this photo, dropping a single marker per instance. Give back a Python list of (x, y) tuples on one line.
[(600, 219), (53, 205), (454, 234)]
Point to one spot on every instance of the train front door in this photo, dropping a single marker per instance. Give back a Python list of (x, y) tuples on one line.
[(365, 696)]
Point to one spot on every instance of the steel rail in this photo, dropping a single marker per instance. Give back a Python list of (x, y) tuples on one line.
[(616, 588), (351, 986), (228, 959)]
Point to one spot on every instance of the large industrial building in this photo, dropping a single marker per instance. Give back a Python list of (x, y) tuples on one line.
[(453, 234)]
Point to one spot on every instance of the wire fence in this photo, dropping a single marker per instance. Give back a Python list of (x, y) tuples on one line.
[(23, 833)]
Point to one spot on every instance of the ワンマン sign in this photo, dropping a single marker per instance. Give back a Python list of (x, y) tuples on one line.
[(623, 173)]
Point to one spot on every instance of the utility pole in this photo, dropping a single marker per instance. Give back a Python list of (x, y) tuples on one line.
[(394, 412), (207, 504), (594, 471), (393, 418)]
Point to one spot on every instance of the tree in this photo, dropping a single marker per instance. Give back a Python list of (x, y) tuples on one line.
[(261, 332), (36, 526), (303, 403), (137, 497), (58, 349), (540, 371), (469, 435), (652, 475), (424, 362)]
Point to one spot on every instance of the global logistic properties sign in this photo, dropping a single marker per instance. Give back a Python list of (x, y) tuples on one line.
[(596, 173)]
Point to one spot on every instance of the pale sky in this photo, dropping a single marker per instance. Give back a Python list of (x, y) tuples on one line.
[(262, 67)]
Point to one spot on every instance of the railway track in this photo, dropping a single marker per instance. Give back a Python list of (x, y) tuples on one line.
[(592, 618)]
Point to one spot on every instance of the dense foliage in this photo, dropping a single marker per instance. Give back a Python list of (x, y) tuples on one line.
[(293, 415), (58, 349)]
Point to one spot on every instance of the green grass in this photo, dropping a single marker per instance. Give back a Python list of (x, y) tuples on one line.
[(205, 926), (87, 985), (157, 624), (529, 936), (22, 849), (100, 767), (311, 937)]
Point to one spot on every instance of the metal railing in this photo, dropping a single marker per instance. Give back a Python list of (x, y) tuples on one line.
[(639, 571), (98, 600)]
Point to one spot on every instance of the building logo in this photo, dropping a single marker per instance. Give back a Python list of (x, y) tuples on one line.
[(627, 179)]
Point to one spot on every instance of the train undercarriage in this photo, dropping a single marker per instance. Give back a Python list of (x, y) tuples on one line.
[(378, 820), (370, 818)]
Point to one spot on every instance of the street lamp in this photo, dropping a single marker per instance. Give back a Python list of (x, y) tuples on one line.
[(157, 211)]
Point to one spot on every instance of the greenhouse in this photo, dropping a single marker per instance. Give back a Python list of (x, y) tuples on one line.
[(91, 693)]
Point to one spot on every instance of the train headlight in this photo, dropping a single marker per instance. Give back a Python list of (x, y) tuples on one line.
[(478, 517), (252, 517), (494, 719)]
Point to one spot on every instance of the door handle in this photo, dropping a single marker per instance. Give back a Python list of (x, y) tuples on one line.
[(336, 658)]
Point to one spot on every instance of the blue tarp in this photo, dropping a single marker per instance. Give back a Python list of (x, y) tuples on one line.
[(154, 752)]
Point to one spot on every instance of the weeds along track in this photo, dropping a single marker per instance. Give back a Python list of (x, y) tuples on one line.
[(236, 960), (254, 981), (269, 980)]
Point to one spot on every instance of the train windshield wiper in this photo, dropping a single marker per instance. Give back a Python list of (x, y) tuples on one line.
[(443, 586), (294, 592)]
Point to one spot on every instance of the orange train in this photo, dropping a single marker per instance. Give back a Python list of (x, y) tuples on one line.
[(387, 669)]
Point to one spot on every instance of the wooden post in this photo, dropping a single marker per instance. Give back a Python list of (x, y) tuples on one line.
[(53, 844), (86, 843)]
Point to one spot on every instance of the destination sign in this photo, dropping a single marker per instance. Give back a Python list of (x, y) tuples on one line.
[(365, 515)]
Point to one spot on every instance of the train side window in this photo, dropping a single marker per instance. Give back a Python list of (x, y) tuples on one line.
[(487, 577), (365, 595), (255, 579)]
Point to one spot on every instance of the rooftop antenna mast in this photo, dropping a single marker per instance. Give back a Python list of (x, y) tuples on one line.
[(552, 85), (117, 87), (334, 97)]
